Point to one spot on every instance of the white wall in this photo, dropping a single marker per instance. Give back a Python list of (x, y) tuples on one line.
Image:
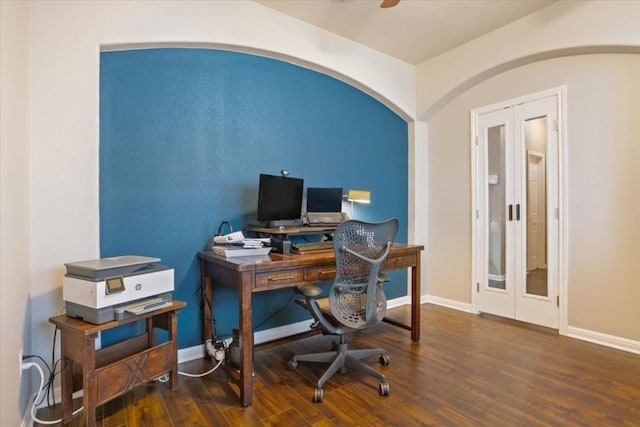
[(15, 323), (560, 29), (602, 178)]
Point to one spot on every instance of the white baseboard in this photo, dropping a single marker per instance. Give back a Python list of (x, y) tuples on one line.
[(398, 302), (456, 305), (191, 353), (26, 420), (604, 339)]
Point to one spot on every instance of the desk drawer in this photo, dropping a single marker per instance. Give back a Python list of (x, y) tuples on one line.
[(322, 273), (400, 261), (276, 279)]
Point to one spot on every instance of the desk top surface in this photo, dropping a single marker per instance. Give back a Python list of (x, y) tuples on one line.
[(278, 261)]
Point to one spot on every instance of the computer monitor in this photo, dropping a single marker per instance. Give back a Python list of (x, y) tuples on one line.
[(279, 198), (324, 199)]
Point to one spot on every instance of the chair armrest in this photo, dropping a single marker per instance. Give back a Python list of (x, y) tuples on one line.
[(309, 291)]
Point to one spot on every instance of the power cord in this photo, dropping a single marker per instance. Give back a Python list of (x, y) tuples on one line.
[(275, 313), (27, 365), (218, 352)]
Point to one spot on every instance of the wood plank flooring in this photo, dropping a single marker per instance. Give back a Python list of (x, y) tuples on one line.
[(467, 370)]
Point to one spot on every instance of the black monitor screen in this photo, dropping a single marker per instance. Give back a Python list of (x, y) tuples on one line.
[(279, 198), (324, 199)]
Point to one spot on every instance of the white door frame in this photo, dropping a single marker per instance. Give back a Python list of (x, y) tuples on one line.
[(561, 212)]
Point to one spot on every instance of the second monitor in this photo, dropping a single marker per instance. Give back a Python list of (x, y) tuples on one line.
[(324, 206)]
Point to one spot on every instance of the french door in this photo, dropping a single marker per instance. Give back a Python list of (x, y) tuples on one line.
[(516, 196)]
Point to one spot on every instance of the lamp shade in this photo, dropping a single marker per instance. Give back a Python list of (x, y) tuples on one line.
[(359, 196)]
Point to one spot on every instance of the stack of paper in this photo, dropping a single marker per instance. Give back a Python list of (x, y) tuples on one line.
[(246, 247)]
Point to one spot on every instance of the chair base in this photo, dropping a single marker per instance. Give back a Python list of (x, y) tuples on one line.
[(340, 359)]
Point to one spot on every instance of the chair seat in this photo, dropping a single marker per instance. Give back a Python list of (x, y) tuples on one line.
[(325, 308)]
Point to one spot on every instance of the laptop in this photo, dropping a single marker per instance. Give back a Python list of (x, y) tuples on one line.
[(324, 206)]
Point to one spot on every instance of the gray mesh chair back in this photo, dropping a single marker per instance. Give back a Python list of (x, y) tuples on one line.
[(360, 249), (356, 299)]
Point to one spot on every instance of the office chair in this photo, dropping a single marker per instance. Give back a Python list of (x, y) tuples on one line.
[(356, 299)]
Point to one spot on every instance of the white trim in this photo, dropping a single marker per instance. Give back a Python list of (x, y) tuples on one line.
[(281, 331), (398, 302), (606, 340), (456, 305), (26, 420), (191, 353), (563, 208)]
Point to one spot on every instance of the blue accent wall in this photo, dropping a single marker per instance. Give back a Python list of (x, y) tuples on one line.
[(184, 136)]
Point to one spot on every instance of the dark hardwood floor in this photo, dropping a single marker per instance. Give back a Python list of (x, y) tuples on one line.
[(467, 370)]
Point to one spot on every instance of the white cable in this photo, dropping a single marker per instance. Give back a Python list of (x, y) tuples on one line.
[(186, 374), (35, 399)]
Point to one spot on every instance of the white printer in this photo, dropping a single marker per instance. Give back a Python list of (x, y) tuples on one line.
[(106, 289)]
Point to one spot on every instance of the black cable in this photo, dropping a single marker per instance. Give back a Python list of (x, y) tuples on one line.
[(53, 371), (274, 314), (49, 370), (204, 299)]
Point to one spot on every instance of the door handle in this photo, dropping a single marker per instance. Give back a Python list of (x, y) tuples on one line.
[(518, 212), (510, 212)]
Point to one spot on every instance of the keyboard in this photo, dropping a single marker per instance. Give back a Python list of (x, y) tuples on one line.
[(325, 245), (323, 219)]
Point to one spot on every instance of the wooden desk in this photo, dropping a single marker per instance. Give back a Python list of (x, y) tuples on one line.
[(114, 370), (275, 271)]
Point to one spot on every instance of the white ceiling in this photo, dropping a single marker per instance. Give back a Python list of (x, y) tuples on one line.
[(414, 30)]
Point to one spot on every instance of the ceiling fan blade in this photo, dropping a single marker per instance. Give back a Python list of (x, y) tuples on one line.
[(389, 3)]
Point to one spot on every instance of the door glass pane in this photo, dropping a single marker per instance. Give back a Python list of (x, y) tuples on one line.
[(496, 206), (536, 143)]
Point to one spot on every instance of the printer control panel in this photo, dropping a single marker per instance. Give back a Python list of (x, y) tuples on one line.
[(114, 285)]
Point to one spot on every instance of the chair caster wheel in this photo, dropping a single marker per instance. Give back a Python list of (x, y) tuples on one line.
[(318, 395), (292, 365), (385, 359), (384, 389)]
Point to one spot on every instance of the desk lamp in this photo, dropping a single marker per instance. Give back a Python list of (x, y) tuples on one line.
[(358, 196)]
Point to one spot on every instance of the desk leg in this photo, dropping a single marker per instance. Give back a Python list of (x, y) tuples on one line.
[(415, 302), (246, 342), (207, 334), (172, 327)]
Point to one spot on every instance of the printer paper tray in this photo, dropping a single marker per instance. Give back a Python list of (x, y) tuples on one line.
[(107, 314)]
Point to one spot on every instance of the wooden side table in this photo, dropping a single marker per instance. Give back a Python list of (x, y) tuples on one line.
[(111, 371)]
